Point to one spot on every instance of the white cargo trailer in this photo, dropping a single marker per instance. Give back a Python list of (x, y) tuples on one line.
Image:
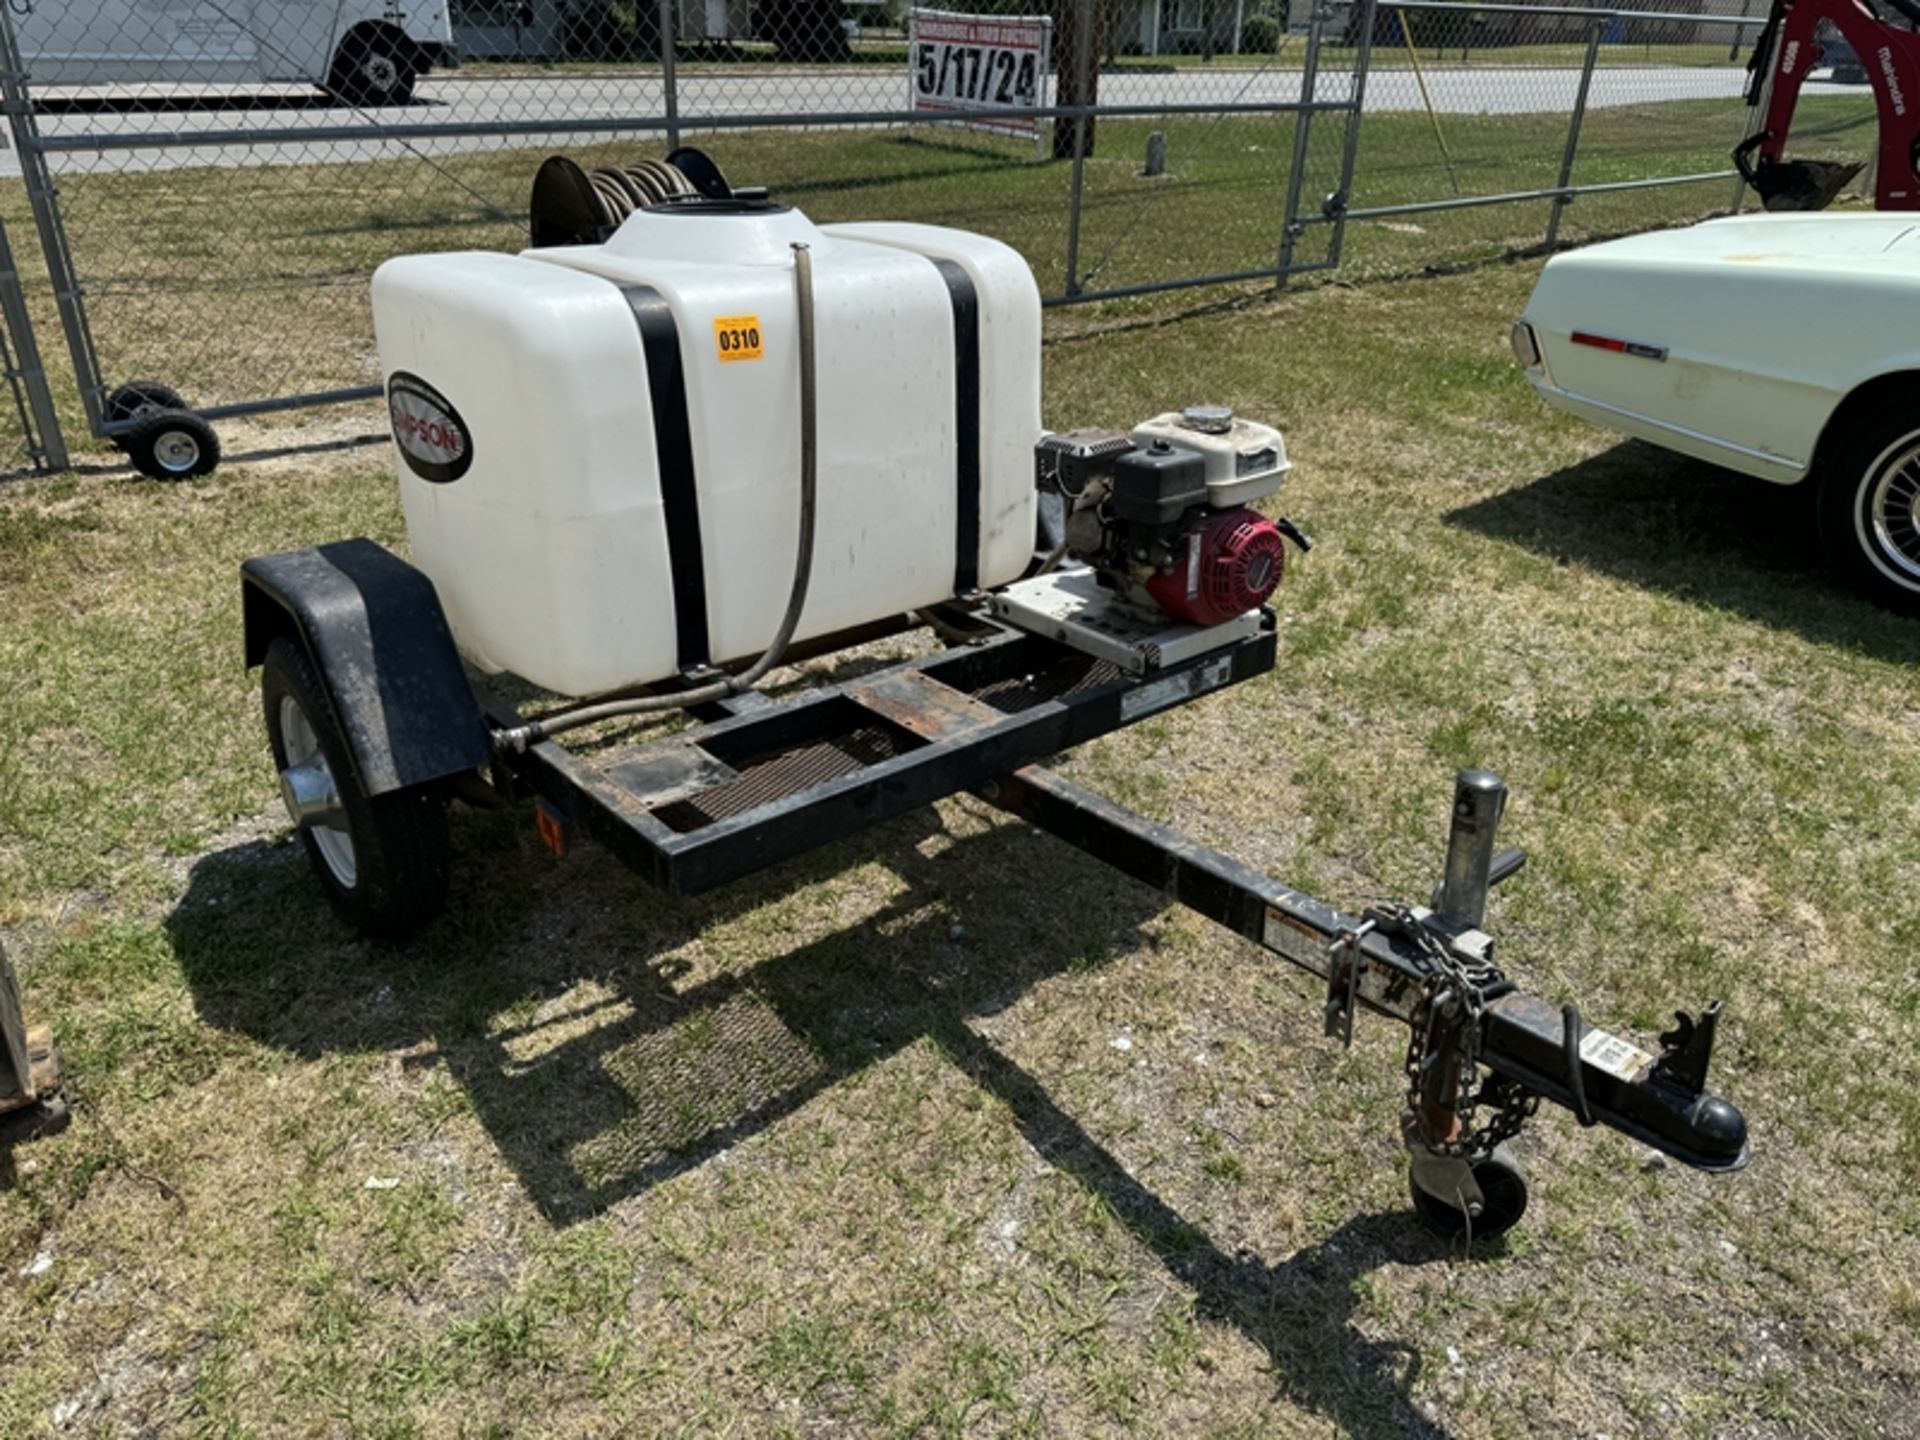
[(366, 51)]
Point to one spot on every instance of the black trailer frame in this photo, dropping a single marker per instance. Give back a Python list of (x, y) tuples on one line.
[(761, 781), (764, 781), (758, 780)]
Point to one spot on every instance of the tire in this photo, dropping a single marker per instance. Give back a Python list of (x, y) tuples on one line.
[(372, 70), (1869, 502), (172, 445), (385, 865), (1503, 1189), (136, 398)]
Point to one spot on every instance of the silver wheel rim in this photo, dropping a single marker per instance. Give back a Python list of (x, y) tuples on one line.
[(302, 747), (1888, 523), (176, 452)]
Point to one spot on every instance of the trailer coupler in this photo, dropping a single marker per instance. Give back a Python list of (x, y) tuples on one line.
[(1481, 1055)]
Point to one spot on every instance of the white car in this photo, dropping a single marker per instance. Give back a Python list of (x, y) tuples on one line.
[(1784, 346)]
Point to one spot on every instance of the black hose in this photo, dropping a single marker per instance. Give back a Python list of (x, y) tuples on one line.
[(521, 736), (1571, 1036)]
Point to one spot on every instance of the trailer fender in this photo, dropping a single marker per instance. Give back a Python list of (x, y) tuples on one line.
[(374, 629)]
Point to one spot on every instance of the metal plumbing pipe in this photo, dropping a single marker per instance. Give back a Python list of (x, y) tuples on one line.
[(532, 733)]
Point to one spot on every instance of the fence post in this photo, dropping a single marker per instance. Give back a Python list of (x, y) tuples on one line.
[(669, 75), (1562, 200), (46, 446), (1083, 68), (1337, 203), (1756, 119), (1302, 125), (52, 231)]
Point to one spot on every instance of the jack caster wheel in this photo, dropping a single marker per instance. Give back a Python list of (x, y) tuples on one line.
[(1503, 1192), (172, 445), (383, 859), (137, 398)]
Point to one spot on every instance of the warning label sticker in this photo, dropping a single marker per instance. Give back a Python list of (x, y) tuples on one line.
[(1175, 688), (1621, 1059)]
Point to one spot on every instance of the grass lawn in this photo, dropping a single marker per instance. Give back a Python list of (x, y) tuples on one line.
[(853, 1147)]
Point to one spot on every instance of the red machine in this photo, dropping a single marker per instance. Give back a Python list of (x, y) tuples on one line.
[(1788, 49)]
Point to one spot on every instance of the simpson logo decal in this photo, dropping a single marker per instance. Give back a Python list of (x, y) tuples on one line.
[(432, 437)]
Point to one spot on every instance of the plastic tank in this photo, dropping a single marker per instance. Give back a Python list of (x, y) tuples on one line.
[(599, 446)]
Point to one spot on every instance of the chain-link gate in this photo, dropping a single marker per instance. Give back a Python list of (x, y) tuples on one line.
[(40, 443), (1497, 129), (212, 182)]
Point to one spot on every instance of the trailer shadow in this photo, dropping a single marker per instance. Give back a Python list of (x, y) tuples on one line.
[(1698, 533), (626, 1059)]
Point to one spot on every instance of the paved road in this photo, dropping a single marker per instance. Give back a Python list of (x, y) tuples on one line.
[(178, 115)]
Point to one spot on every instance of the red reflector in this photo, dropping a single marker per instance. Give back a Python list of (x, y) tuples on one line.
[(1599, 342), (551, 826)]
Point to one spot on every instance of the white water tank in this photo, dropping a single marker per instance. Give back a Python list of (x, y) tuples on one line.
[(599, 446)]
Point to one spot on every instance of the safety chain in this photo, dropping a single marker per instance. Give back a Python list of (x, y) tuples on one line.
[(1446, 1028)]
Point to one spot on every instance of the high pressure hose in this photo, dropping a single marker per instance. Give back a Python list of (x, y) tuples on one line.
[(520, 737)]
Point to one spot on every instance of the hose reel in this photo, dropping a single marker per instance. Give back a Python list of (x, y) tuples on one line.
[(572, 205)]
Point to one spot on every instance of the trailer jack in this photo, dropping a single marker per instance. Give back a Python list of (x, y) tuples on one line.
[(31, 1104), (1481, 1055)]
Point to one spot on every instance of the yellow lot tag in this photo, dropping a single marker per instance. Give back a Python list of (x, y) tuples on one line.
[(737, 337)]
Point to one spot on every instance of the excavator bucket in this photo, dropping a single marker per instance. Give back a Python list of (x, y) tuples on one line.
[(1802, 184)]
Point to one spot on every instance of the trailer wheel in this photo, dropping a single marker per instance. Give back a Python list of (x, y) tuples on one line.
[(1870, 511), (372, 70), (137, 398), (383, 859), (1503, 1189), (172, 445)]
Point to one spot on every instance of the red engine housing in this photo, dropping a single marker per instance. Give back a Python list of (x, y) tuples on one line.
[(1233, 562)]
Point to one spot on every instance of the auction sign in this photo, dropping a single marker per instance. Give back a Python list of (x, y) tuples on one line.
[(977, 65)]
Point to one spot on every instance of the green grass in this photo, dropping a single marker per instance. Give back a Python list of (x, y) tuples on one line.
[(792, 1159)]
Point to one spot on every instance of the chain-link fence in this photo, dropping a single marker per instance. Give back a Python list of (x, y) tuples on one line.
[(213, 181), (1502, 128)]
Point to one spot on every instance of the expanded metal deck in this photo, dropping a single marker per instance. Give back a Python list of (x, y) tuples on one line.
[(709, 805)]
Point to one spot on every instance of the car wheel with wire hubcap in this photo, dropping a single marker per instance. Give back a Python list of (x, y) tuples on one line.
[(1870, 512), (383, 859)]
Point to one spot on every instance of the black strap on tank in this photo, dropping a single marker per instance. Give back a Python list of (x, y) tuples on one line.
[(673, 449), (966, 390)]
